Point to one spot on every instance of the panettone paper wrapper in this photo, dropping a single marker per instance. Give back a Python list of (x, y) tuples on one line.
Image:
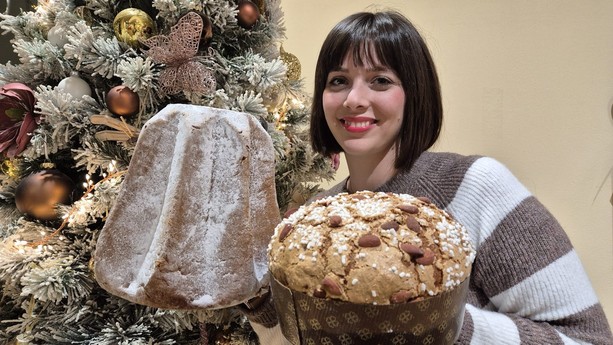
[(308, 320)]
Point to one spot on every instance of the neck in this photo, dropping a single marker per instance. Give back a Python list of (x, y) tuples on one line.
[(368, 173)]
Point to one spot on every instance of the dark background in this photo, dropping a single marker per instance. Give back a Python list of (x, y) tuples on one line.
[(12, 7)]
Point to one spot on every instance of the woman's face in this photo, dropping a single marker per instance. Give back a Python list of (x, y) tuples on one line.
[(364, 108)]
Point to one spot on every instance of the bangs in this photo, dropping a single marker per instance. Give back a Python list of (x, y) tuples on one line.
[(370, 41), (363, 53), (368, 53)]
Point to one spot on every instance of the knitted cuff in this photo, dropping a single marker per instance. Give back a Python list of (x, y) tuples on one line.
[(466, 333), (264, 314)]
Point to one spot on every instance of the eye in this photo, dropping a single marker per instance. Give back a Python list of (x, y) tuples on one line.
[(382, 83), (336, 81), (382, 80)]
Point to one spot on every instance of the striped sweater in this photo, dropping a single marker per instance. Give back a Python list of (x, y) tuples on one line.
[(527, 285)]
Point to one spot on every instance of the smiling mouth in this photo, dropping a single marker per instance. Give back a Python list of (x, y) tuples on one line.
[(357, 124)]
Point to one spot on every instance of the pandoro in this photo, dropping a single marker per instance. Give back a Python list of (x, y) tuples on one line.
[(195, 212)]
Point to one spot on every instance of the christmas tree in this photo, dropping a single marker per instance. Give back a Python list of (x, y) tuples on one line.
[(89, 76)]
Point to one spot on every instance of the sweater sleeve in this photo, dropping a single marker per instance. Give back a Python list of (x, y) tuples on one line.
[(272, 335), (264, 322), (528, 285)]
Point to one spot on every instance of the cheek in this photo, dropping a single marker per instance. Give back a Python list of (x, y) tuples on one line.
[(330, 105), (331, 121), (328, 102), (395, 106)]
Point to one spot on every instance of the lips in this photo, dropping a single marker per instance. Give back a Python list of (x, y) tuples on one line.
[(357, 124)]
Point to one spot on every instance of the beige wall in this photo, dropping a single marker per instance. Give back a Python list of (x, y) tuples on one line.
[(527, 82)]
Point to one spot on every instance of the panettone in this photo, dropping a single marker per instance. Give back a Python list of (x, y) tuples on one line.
[(370, 248)]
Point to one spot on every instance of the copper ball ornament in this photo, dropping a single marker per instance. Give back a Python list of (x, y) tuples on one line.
[(248, 14), (39, 194), (122, 101)]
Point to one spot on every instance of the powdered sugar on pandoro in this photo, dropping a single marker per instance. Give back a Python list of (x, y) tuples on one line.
[(190, 227), (370, 247)]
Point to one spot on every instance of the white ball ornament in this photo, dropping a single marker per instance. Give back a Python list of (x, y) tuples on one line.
[(57, 36), (75, 86)]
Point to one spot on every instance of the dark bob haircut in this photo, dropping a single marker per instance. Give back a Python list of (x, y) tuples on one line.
[(391, 39)]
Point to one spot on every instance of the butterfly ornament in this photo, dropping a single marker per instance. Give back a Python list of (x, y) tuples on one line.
[(177, 51)]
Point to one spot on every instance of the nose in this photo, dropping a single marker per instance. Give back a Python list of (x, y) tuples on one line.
[(356, 97)]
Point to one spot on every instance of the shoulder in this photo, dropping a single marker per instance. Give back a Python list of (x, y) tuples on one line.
[(452, 166), (448, 177), (437, 175), (443, 163), (476, 176), (488, 174)]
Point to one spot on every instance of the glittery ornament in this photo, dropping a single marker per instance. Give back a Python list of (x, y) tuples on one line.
[(132, 26), (9, 168), (122, 101), (294, 68), (248, 14), (38, 194), (177, 51), (75, 86)]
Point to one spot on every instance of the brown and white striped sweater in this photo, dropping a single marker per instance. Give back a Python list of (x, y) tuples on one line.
[(528, 285)]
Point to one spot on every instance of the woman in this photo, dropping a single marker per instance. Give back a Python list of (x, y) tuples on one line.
[(377, 99)]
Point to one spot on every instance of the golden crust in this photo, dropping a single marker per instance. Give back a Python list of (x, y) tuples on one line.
[(370, 247)]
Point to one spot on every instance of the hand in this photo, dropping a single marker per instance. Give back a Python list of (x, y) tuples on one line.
[(255, 302)]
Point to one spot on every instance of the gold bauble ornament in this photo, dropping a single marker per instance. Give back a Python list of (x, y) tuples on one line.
[(10, 169), (294, 69), (122, 101), (132, 26), (39, 194)]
